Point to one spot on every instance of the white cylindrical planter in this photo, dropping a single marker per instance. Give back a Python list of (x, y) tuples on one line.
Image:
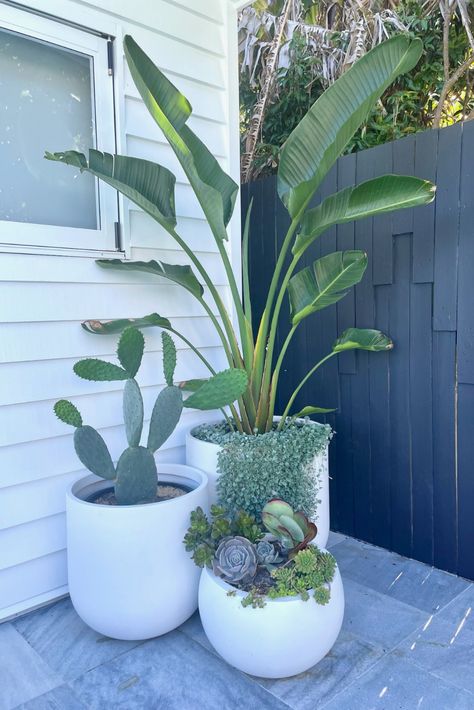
[(130, 576), (286, 637), (203, 455)]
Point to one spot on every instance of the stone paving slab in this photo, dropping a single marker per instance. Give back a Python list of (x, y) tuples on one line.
[(396, 684), (409, 581), (67, 645), (23, 673)]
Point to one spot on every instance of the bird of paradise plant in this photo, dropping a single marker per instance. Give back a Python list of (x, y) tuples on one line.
[(308, 154)]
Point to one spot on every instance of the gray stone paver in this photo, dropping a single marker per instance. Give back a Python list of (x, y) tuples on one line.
[(407, 642)]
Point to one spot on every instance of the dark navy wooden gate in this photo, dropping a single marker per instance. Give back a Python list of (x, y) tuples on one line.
[(402, 460)]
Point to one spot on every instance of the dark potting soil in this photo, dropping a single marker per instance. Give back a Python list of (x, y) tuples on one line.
[(164, 491)]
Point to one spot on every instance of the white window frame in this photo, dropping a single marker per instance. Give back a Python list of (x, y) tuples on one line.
[(27, 237)]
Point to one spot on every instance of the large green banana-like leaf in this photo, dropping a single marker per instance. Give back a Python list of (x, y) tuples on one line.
[(215, 190), (148, 185), (218, 391), (324, 282), (362, 339), (182, 275), (112, 327), (321, 136), (382, 194)]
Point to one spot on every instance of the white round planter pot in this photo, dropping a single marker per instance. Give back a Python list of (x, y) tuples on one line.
[(286, 637), (203, 455), (130, 576)]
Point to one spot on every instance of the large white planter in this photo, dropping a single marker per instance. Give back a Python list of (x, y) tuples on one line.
[(286, 637), (203, 455), (130, 576)]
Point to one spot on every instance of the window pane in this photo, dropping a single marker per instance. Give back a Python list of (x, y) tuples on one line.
[(46, 103)]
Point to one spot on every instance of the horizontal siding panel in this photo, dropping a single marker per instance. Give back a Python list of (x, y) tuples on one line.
[(28, 268), (33, 460), (207, 101), (32, 579), (45, 496), (36, 538), (206, 7), (145, 232), (75, 302), (39, 499), (23, 342), (165, 18), (51, 379), (201, 64)]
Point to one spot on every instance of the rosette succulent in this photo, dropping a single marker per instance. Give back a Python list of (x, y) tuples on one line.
[(293, 530), (235, 560), (267, 552)]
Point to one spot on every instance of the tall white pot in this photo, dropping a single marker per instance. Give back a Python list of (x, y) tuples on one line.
[(203, 455), (130, 576)]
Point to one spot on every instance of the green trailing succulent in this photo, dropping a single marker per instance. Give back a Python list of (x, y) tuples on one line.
[(274, 560), (135, 475)]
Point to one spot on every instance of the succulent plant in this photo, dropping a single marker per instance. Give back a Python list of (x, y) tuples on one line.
[(267, 552), (293, 530), (235, 560)]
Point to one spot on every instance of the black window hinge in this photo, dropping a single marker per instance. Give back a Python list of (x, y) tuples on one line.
[(118, 236), (110, 57)]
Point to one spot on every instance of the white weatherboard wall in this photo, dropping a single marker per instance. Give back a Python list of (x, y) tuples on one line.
[(44, 297)]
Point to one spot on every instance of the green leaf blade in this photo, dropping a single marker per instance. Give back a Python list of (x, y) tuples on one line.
[(215, 190), (324, 282), (322, 135), (370, 198), (112, 327), (362, 339), (178, 273), (148, 185)]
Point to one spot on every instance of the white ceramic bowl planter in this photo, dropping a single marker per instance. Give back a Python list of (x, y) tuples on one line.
[(203, 455), (286, 637), (130, 576)]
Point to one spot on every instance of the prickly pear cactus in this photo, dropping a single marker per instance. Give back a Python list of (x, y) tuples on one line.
[(133, 412), (137, 478), (93, 452), (220, 390), (165, 416)]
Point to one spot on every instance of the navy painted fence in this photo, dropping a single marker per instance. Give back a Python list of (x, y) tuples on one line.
[(402, 460)]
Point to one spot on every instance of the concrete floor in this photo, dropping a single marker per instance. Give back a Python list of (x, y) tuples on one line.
[(407, 643)]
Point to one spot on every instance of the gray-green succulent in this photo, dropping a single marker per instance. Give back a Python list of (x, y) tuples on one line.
[(135, 475)]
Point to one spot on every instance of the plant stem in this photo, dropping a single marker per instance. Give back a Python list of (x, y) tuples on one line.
[(263, 399), (275, 376), (261, 344), (303, 382)]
